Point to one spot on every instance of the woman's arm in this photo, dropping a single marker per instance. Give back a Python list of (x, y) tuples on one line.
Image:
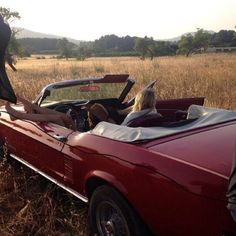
[(57, 117)]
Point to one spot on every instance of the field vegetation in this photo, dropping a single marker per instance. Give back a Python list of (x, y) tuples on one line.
[(212, 76), (30, 205)]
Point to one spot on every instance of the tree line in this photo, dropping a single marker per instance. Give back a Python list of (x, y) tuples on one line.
[(202, 39), (112, 45)]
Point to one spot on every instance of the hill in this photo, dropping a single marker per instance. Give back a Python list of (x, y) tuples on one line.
[(25, 33), (176, 39), (112, 45), (42, 45)]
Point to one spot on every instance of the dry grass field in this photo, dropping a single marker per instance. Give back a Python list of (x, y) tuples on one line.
[(29, 205), (212, 76)]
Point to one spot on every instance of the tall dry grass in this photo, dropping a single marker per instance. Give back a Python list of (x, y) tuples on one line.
[(212, 76), (29, 205)]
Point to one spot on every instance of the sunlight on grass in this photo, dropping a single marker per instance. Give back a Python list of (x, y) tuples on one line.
[(212, 76), (30, 205)]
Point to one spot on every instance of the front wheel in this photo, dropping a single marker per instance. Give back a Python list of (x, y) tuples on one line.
[(111, 215)]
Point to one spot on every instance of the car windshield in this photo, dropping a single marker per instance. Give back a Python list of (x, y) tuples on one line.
[(81, 92)]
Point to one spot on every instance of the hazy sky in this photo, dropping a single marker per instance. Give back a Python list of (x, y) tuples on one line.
[(91, 19)]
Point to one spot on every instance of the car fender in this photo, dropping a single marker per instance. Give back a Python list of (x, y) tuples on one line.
[(96, 178)]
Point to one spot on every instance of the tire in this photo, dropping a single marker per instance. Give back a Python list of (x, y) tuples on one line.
[(111, 215)]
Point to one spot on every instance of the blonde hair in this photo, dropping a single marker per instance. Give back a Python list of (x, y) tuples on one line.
[(145, 99)]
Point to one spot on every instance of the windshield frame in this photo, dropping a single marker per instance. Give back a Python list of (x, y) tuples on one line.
[(121, 78)]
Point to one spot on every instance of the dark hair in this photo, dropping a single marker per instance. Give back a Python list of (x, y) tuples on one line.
[(93, 120), (1, 18)]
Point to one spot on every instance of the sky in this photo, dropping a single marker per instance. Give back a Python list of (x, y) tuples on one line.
[(91, 19)]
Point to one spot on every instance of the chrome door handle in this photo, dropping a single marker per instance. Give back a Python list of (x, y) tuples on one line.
[(60, 137)]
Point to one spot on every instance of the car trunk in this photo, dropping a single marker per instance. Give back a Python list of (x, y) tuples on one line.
[(207, 154), (232, 189)]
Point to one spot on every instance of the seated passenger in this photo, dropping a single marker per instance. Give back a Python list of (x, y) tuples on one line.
[(145, 104), (97, 113), (40, 114)]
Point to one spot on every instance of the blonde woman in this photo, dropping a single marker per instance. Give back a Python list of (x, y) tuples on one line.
[(145, 104)]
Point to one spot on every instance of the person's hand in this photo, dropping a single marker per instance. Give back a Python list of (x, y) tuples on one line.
[(10, 110), (28, 106)]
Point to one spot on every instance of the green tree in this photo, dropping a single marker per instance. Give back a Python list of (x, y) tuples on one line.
[(151, 47), (224, 38), (113, 45), (165, 48), (14, 47), (189, 43), (84, 50), (145, 47), (186, 44), (65, 47), (140, 46), (8, 15), (235, 34), (201, 39), (81, 53)]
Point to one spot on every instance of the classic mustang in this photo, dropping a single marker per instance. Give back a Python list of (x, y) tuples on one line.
[(161, 175)]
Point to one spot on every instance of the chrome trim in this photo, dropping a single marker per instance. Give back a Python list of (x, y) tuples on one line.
[(81, 197)]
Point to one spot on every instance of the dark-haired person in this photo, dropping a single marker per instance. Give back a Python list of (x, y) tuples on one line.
[(6, 91)]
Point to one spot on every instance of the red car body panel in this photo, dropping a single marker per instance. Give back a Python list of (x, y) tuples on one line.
[(176, 184), (182, 103), (193, 190)]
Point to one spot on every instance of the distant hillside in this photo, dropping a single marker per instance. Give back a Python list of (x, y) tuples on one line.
[(24, 33), (111, 45), (41, 45), (176, 39)]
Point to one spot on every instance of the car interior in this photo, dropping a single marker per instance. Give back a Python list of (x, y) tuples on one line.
[(82, 116), (169, 111)]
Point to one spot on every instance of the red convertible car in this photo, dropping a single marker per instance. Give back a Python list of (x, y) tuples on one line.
[(164, 175)]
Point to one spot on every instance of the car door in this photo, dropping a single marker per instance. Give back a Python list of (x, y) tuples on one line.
[(40, 145)]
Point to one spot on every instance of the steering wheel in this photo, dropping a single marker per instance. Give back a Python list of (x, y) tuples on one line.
[(76, 114)]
